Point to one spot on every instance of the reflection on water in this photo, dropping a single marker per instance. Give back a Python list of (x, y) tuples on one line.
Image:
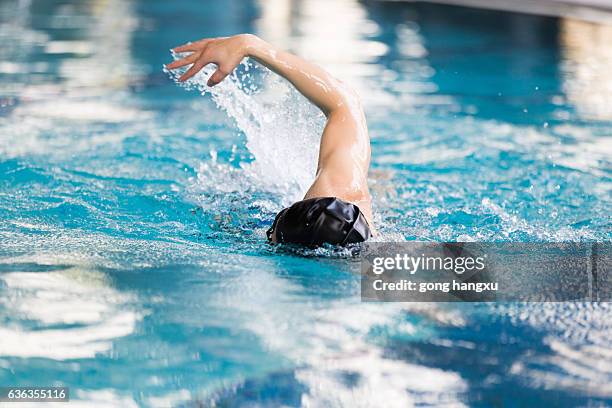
[(306, 27), (86, 37), (76, 314), (91, 44), (133, 266), (329, 344), (587, 67), (579, 344)]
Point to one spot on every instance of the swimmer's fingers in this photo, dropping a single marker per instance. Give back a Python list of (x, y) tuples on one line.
[(193, 46), (186, 48), (185, 61), (195, 68), (218, 76)]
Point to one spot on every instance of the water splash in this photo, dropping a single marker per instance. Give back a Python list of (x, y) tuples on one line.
[(579, 348), (282, 129)]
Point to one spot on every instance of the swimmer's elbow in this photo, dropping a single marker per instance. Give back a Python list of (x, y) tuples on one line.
[(347, 100)]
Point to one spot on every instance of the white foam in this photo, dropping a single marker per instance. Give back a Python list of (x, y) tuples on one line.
[(281, 127)]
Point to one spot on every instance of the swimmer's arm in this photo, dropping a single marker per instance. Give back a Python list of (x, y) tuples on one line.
[(312, 81), (326, 92), (344, 154)]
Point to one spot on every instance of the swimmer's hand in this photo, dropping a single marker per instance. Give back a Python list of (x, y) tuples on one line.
[(225, 52)]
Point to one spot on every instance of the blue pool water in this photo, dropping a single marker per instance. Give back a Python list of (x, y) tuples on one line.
[(133, 265)]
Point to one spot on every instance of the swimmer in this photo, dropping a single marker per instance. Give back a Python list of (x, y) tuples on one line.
[(337, 208)]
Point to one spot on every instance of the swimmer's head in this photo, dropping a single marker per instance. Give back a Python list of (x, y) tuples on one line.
[(318, 221)]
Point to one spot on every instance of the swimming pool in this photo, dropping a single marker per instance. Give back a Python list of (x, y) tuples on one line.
[(133, 265)]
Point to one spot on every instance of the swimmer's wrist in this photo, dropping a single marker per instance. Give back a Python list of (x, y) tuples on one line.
[(251, 45)]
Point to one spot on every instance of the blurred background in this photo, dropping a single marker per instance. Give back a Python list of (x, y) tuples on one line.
[(351, 38)]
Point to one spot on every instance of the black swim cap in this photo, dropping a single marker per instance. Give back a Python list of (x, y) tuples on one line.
[(316, 221)]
